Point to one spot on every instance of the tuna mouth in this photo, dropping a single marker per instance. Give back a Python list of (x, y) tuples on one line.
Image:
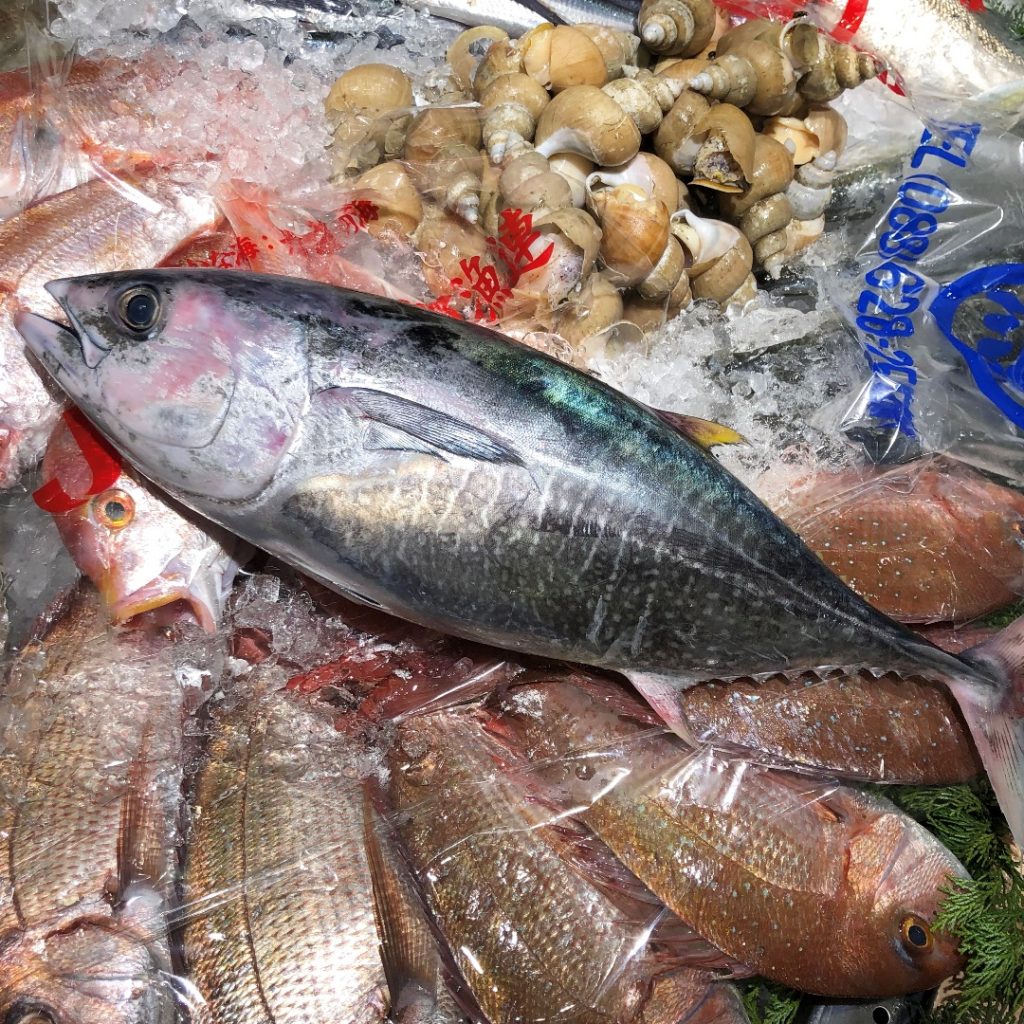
[(53, 344)]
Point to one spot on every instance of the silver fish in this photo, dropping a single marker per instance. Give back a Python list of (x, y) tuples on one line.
[(518, 16), (462, 481)]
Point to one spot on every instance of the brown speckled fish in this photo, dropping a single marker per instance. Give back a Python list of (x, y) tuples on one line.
[(883, 730), (533, 938), (278, 894), (91, 766), (930, 541), (754, 860)]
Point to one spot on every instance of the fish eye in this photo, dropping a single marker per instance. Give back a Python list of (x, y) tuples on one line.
[(19, 1013), (917, 936), (113, 509), (139, 307)]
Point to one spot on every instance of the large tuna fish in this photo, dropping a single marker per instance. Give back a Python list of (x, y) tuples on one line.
[(471, 484)]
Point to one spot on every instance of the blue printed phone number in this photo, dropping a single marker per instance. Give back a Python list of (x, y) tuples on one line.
[(892, 295)]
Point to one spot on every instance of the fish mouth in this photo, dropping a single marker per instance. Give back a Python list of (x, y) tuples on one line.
[(59, 347), (52, 343), (158, 594)]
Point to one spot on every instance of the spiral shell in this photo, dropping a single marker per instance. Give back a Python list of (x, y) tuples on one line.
[(676, 27), (841, 67), (644, 96), (725, 161), (399, 206), (811, 188), (442, 153), (584, 120), (370, 89), (442, 242), (574, 168), (469, 48), (561, 57), (590, 314), (369, 104), (763, 212), (512, 105), (752, 74), (659, 283), (528, 183), (647, 314), (503, 57), (679, 138), (720, 259), (822, 131), (617, 47), (575, 238), (647, 172), (635, 231)]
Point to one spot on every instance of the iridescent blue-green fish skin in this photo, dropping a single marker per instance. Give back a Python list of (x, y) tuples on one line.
[(474, 485)]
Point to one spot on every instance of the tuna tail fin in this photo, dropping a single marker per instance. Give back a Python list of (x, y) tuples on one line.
[(995, 715)]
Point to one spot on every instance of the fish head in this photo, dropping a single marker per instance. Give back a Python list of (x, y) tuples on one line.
[(140, 550), (196, 375), (896, 874), (90, 972)]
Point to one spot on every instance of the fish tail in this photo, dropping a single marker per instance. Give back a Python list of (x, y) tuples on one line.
[(991, 699)]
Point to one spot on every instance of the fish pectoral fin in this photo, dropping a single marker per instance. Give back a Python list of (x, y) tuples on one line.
[(408, 952), (400, 424), (141, 850), (704, 433)]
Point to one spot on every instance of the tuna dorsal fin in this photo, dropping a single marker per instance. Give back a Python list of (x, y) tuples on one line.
[(705, 433), (400, 424), (407, 950), (141, 856)]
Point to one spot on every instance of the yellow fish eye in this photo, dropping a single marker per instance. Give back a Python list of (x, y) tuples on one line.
[(113, 509), (917, 936)]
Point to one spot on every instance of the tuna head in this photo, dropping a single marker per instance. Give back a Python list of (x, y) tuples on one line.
[(896, 872), (89, 973), (194, 375)]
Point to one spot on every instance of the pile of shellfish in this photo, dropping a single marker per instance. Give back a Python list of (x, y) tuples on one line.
[(660, 167)]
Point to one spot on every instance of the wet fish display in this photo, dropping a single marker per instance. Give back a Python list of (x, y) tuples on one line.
[(89, 820), (279, 918), (929, 541), (433, 468), (682, 821), (526, 928), (112, 223)]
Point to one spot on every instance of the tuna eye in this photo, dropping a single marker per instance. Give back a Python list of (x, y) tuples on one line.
[(916, 933), (138, 308), (113, 509)]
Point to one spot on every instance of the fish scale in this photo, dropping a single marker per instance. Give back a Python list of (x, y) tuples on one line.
[(278, 912), (754, 860), (533, 939)]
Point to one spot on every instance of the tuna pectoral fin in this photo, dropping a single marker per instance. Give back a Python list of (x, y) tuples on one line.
[(705, 433), (399, 424), (995, 716), (407, 950)]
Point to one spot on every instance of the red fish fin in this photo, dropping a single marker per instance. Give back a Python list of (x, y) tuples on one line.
[(662, 693), (995, 716), (676, 944), (408, 953), (704, 433)]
